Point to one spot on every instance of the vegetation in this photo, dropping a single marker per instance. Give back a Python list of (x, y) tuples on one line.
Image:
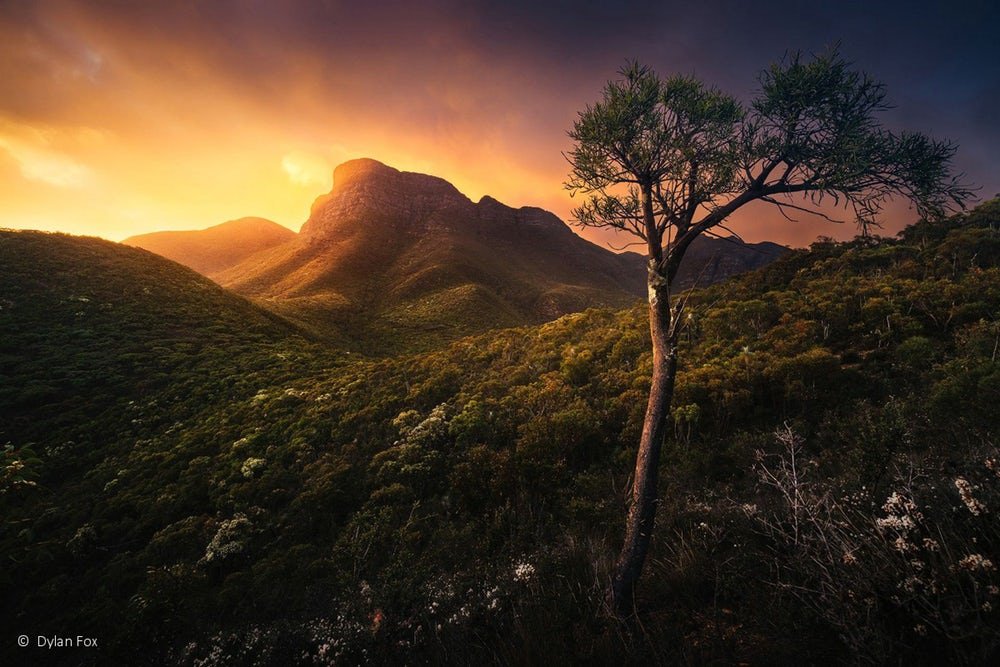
[(394, 262), (189, 480), (669, 160)]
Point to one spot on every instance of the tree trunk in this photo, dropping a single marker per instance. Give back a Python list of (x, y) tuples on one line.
[(642, 512)]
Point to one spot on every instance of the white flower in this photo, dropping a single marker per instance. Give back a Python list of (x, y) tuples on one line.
[(965, 491), (901, 523), (897, 503), (524, 572), (901, 545), (992, 465), (974, 562)]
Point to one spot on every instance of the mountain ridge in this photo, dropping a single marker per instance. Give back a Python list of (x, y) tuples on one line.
[(390, 258), (393, 254), (215, 248)]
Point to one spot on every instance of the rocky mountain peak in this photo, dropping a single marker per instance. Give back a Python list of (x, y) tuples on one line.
[(366, 191), (361, 168)]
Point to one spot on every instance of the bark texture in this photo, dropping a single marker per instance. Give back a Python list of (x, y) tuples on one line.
[(644, 500)]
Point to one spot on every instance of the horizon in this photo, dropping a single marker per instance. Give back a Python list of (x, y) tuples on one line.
[(116, 122)]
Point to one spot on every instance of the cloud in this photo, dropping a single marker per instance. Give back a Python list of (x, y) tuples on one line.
[(216, 110), (38, 161), (306, 169)]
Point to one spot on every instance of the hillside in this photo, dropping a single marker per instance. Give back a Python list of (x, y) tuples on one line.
[(209, 251), (463, 505), (403, 261), (88, 327), (392, 261)]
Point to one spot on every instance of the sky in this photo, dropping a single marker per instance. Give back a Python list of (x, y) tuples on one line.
[(119, 118)]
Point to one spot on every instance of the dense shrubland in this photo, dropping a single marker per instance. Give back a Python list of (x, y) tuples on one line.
[(236, 493)]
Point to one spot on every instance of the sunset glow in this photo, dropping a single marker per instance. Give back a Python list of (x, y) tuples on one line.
[(115, 122)]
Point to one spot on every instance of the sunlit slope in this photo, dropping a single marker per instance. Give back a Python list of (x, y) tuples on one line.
[(403, 260), (209, 251)]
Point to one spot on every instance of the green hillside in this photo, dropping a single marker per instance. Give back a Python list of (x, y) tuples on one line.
[(261, 501), (88, 326)]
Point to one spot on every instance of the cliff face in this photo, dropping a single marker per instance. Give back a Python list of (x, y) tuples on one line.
[(368, 192), (408, 252)]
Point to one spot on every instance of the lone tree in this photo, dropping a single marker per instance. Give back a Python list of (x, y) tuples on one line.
[(668, 160)]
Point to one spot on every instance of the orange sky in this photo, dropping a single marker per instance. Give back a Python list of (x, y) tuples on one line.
[(120, 121)]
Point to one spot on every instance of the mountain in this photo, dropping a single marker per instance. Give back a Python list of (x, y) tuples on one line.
[(400, 258), (404, 260), (209, 251), (710, 260), (392, 261)]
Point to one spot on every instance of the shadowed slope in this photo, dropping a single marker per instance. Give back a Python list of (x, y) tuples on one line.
[(220, 466), (86, 323)]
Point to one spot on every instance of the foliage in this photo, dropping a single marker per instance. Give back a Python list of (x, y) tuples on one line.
[(670, 160), (904, 576), (461, 504)]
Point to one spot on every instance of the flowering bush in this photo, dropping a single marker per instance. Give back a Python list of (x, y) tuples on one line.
[(229, 540), (17, 468), (252, 466), (914, 572)]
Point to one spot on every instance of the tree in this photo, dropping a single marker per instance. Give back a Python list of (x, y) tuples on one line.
[(668, 160)]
